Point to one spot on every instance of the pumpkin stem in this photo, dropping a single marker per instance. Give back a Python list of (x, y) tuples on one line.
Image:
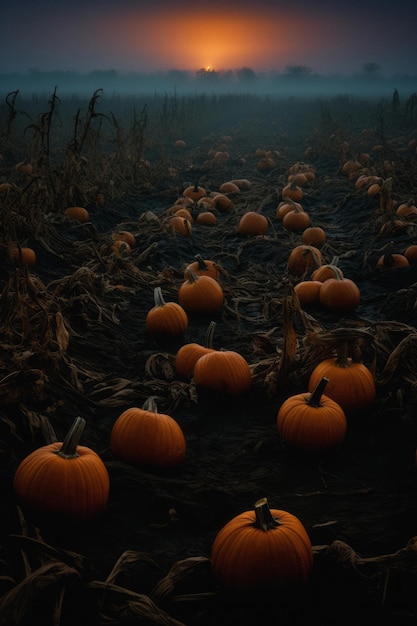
[(210, 334), (192, 277), (68, 449), (264, 519), (202, 265), (315, 396), (150, 405), (158, 297), (343, 354)]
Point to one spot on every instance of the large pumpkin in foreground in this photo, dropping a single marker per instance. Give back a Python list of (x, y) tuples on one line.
[(64, 478), (261, 549)]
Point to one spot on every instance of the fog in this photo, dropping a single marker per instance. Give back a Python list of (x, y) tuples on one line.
[(297, 81)]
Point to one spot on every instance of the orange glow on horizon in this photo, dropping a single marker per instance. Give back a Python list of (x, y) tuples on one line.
[(219, 41)]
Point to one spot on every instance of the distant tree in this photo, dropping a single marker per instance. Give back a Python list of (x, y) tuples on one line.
[(245, 74), (371, 69), (297, 71), (206, 73), (179, 76)]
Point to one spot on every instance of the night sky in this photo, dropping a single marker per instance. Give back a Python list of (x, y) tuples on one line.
[(137, 36)]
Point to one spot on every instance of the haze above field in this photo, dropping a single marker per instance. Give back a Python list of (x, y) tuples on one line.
[(127, 36)]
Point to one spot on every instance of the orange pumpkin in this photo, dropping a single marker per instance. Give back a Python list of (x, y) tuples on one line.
[(194, 192), (77, 214), (180, 225), (202, 267), (296, 220), (351, 384), (224, 371), (64, 478), (314, 236), (188, 355), (124, 235), (143, 436), (22, 255), (253, 223), (200, 294), (293, 191), (206, 218), (339, 294), (303, 258), (262, 549), (166, 319), (312, 421), (308, 292)]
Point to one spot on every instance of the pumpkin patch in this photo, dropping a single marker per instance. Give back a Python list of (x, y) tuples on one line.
[(305, 391)]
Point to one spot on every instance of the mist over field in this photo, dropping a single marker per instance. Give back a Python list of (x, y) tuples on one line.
[(297, 80)]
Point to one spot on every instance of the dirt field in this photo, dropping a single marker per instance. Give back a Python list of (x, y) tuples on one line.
[(146, 559)]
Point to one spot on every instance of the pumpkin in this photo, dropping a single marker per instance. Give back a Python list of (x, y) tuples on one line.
[(308, 292), (22, 255), (222, 202), (229, 187), (64, 478), (206, 218), (303, 258), (24, 167), (312, 421), (180, 225), (202, 267), (327, 270), (184, 212), (194, 192), (314, 236), (392, 260), (143, 436), (188, 355), (120, 247), (200, 294), (405, 209), (126, 236), (293, 191), (296, 220), (351, 384), (262, 549), (166, 319), (285, 206), (410, 253), (253, 223), (339, 294), (77, 214), (224, 371)]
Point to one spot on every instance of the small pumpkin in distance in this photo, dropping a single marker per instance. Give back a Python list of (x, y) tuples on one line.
[(166, 319), (262, 549), (64, 478), (194, 192), (314, 236), (253, 223), (143, 436), (312, 421), (303, 258), (22, 255), (202, 267), (77, 214)]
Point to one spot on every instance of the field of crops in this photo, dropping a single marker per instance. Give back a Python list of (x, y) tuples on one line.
[(104, 204)]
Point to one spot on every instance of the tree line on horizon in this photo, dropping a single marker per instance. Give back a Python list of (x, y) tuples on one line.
[(296, 75)]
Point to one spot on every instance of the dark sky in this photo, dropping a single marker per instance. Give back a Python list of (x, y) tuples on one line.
[(265, 35)]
